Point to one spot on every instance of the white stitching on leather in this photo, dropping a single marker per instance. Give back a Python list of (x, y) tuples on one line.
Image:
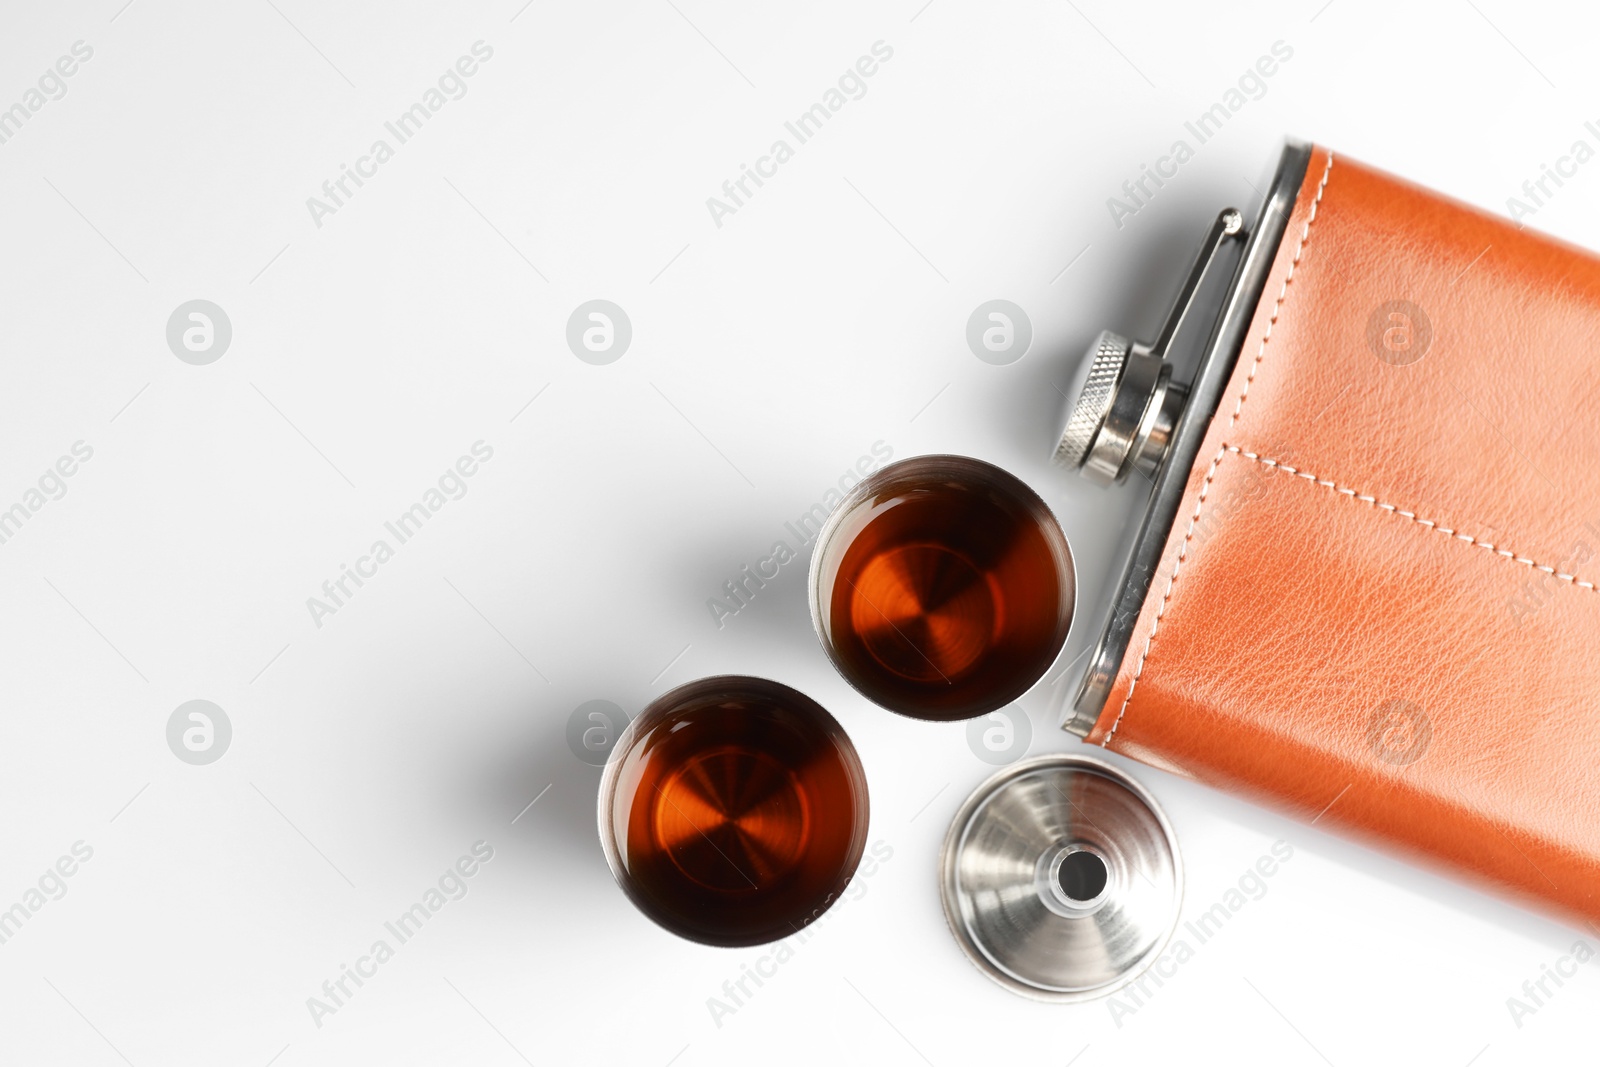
[(1429, 523), (1183, 552), (1162, 610), (1261, 351)]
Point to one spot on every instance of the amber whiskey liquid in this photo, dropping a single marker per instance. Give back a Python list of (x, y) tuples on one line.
[(734, 811), (943, 588)]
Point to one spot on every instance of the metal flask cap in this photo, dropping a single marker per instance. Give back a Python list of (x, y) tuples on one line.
[(1127, 405), (1061, 879)]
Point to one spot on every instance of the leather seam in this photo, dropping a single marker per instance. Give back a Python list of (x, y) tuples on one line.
[(1161, 611), (1205, 487), (1454, 535), (1283, 291)]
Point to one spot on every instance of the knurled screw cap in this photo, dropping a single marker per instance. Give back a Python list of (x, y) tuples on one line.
[(1104, 363)]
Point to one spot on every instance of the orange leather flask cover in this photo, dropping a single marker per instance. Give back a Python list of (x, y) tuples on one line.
[(1378, 601)]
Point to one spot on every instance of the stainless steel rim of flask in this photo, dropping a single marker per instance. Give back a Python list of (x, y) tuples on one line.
[(1130, 416)]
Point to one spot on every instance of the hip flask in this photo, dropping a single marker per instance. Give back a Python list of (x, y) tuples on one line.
[(1363, 589)]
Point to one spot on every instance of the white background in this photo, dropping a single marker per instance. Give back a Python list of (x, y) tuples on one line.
[(768, 355)]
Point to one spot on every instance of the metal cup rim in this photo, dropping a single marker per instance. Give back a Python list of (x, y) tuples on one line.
[(850, 758), (961, 466)]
